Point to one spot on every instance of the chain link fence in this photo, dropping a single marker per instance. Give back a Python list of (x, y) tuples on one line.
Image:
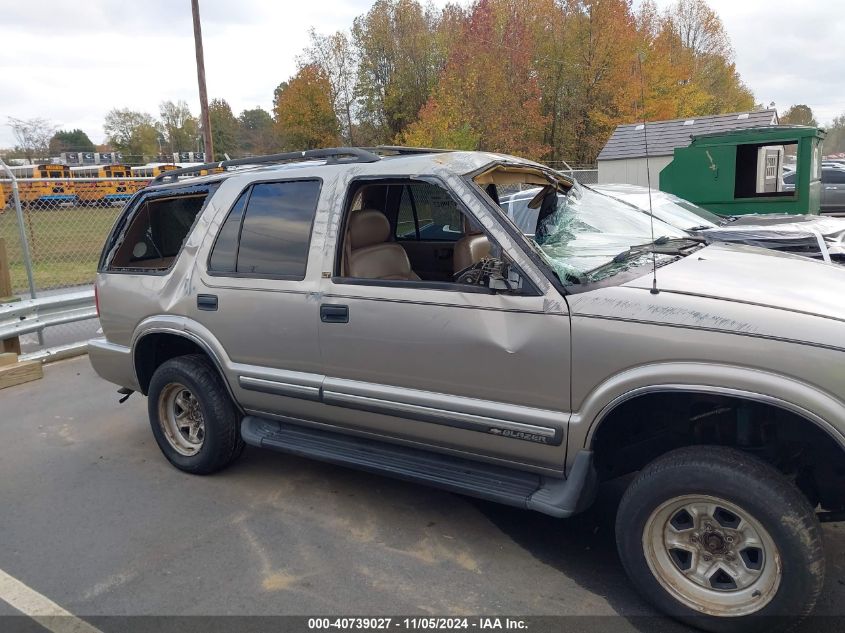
[(53, 244)]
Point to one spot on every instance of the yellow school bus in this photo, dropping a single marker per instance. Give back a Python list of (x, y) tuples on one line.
[(3, 197), (51, 192), (91, 189), (149, 171)]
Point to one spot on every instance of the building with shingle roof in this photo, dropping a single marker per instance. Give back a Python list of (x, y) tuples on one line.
[(623, 158)]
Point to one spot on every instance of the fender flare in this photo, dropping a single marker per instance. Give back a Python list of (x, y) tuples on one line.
[(190, 330), (807, 401)]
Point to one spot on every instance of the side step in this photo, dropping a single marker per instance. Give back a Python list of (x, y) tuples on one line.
[(557, 497)]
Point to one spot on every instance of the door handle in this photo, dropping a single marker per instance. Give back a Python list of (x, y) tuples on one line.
[(330, 313), (207, 302)]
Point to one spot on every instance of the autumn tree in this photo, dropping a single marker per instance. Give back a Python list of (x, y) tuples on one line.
[(257, 134), (304, 112), (488, 96), (702, 37), (225, 130), (337, 58), (799, 114)]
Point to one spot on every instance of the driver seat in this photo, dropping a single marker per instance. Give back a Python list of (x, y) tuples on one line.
[(471, 248)]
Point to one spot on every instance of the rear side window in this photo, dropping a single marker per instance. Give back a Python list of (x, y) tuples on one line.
[(155, 232), (268, 231), (834, 176)]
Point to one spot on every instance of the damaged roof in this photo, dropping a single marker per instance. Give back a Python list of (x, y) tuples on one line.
[(628, 141)]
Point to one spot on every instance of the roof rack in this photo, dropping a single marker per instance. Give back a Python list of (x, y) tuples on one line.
[(402, 149), (333, 156)]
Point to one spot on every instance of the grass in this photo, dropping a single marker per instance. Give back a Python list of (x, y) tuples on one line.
[(64, 243)]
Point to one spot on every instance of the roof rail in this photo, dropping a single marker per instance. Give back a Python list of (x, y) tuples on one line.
[(402, 149), (333, 156)]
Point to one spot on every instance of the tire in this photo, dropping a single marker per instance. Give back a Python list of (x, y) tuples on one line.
[(761, 528), (194, 421)]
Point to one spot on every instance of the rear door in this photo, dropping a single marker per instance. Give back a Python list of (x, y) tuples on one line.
[(253, 295), (833, 189)]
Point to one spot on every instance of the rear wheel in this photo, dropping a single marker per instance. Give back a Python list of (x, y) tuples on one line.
[(193, 419), (721, 540)]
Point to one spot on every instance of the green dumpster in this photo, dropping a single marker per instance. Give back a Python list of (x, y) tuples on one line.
[(741, 171)]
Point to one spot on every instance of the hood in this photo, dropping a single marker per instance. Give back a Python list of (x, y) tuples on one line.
[(745, 274), (785, 229)]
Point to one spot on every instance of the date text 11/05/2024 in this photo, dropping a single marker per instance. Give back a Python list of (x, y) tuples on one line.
[(419, 623)]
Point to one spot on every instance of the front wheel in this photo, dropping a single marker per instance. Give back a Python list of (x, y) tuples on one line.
[(721, 540), (194, 421)]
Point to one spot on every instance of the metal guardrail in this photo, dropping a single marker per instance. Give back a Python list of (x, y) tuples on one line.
[(33, 315)]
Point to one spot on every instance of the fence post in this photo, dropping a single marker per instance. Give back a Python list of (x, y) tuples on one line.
[(27, 258), (10, 344)]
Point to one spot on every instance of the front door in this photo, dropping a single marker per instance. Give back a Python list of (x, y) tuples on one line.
[(448, 365)]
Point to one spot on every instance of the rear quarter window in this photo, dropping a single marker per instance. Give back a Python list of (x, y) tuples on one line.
[(151, 235)]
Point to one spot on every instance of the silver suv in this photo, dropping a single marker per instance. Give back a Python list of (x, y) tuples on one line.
[(378, 309)]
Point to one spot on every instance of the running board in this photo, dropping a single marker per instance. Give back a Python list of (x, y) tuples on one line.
[(556, 497)]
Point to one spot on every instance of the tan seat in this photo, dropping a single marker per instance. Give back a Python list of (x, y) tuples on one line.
[(371, 255), (471, 248)]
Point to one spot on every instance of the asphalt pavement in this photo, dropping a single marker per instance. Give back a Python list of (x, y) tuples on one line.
[(95, 519)]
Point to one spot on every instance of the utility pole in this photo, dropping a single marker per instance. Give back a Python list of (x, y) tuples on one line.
[(204, 118)]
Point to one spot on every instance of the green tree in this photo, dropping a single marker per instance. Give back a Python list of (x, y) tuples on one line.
[(257, 133), (135, 134), (834, 142), (304, 112), (400, 50), (70, 141), (180, 127), (225, 131), (799, 114)]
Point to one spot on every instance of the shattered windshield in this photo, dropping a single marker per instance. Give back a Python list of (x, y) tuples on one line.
[(582, 234), (665, 206)]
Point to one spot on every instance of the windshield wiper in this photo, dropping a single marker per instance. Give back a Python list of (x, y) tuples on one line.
[(662, 246)]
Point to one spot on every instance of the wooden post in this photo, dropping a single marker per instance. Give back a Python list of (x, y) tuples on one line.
[(204, 118), (12, 344)]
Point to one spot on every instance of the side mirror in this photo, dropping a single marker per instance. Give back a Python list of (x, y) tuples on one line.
[(505, 278)]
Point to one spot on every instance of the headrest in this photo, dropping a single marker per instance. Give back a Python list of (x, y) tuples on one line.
[(471, 227), (368, 227)]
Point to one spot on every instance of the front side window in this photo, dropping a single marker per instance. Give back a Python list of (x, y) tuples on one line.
[(428, 213), (268, 231)]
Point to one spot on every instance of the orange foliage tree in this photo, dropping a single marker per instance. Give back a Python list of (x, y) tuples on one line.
[(304, 112), (488, 96)]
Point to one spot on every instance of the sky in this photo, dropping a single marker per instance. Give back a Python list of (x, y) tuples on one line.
[(71, 62)]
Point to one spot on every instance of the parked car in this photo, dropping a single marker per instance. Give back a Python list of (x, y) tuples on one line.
[(299, 305), (833, 189), (798, 234)]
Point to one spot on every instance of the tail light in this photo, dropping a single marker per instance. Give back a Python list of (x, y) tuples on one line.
[(97, 299)]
